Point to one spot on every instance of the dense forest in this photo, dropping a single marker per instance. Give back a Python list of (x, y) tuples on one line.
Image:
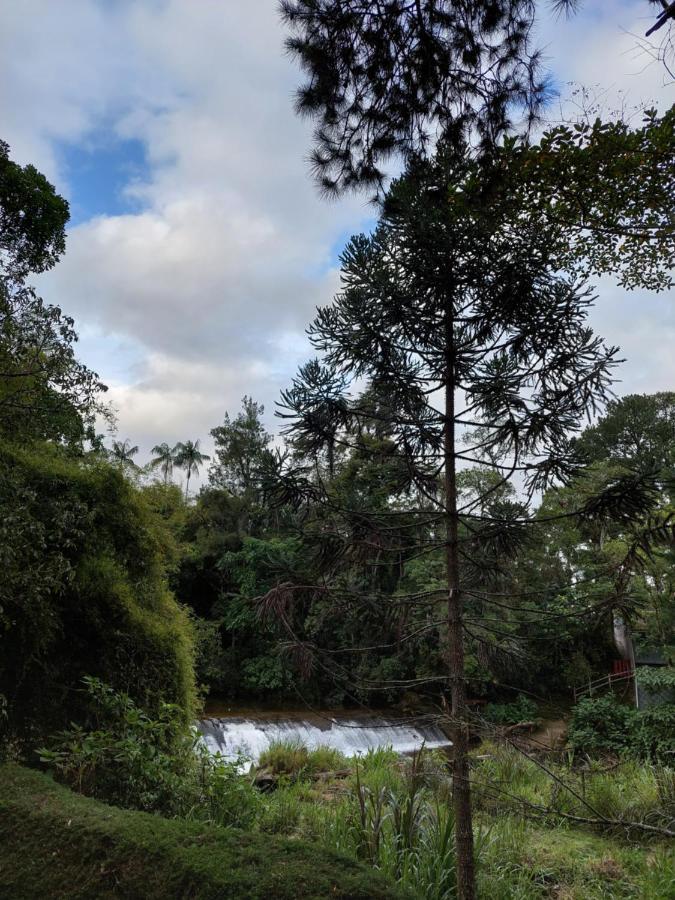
[(453, 513)]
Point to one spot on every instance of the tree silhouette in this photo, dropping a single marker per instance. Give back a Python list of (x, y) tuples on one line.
[(452, 310), (165, 458), (123, 452), (189, 457)]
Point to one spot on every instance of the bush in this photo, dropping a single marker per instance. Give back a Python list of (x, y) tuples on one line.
[(655, 733), (601, 725), (523, 709), (83, 592), (151, 764)]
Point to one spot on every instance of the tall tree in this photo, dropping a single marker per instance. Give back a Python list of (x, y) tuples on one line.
[(386, 79), (164, 458), (637, 430), (453, 308), (44, 391), (33, 219), (240, 447), (189, 457), (124, 453)]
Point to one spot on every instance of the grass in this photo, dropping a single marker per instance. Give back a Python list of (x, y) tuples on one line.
[(523, 861), (293, 758), (629, 792), (60, 845), (316, 837), (394, 814)]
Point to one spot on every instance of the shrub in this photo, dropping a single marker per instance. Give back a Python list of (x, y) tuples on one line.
[(83, 592), (655, 733), (523, 709), (601, 725), (153, 764)]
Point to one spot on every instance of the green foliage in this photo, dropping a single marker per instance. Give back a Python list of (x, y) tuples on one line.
[(602, 724), (523, 709), (655, 734), (240, 449), (656, 678), (608, 186), (83, 592), (44, 391), (33, 219), (135, 761), (293, 758), (58, 844)]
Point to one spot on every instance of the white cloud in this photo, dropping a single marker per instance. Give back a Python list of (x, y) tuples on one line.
[(203, 294)]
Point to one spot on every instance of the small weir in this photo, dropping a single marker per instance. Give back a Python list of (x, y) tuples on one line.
[(350, 733)]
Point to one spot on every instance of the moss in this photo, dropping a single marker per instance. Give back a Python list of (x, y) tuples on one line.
[(60, 845)]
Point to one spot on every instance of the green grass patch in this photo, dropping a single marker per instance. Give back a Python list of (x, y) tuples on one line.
[(60, 845), (293, 758)]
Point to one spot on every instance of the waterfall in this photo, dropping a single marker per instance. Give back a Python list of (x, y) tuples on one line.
[(351, 734)]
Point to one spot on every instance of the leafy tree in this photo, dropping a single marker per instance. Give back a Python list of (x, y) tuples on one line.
[(189, 457), (608, 187), (448, 299), (240, 448), (33, 219), (124, 453), (165, 457), (84, 591), (44, 391), (637, 430)]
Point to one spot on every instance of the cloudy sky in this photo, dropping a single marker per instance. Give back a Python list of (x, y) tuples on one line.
[(198, 246)]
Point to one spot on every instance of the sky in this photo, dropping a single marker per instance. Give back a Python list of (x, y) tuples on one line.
[(198, 246)]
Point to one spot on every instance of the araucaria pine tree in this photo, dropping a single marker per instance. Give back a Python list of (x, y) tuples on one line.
[(453, 312)]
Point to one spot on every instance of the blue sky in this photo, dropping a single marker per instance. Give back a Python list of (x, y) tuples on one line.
[(198, 246), (98, 172)]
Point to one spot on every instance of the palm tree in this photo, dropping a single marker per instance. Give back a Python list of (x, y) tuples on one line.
[(123, 452), (188, 457), (165, 458)]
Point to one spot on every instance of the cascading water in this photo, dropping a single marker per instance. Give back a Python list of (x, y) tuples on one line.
[(249, 735)]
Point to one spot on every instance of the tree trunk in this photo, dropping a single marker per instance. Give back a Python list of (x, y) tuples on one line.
[(187, 484), (461, 791)]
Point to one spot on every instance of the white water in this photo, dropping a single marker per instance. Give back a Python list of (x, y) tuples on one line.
[(251, 735)]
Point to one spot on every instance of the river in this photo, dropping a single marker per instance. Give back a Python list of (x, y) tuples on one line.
[(249, 732)]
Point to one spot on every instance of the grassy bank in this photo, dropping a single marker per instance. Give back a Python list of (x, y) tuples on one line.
[(326, 826), (530, 845), (56, 844)]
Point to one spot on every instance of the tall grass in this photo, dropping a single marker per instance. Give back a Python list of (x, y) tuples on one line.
[(293, 758), (397, 815), (392, 819), (630, 793)]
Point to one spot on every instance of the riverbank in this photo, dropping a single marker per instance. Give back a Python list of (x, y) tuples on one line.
[(573, 832), (56, 844)]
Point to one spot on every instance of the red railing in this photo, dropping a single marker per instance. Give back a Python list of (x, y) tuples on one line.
[(605, 682)]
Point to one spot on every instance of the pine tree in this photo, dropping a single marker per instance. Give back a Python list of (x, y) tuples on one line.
[(452, 310)]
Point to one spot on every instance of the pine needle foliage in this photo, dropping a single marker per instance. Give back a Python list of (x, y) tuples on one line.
[(453, 312)]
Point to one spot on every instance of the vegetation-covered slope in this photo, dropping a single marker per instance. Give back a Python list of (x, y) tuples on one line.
[(57, 844), (83, 591)]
